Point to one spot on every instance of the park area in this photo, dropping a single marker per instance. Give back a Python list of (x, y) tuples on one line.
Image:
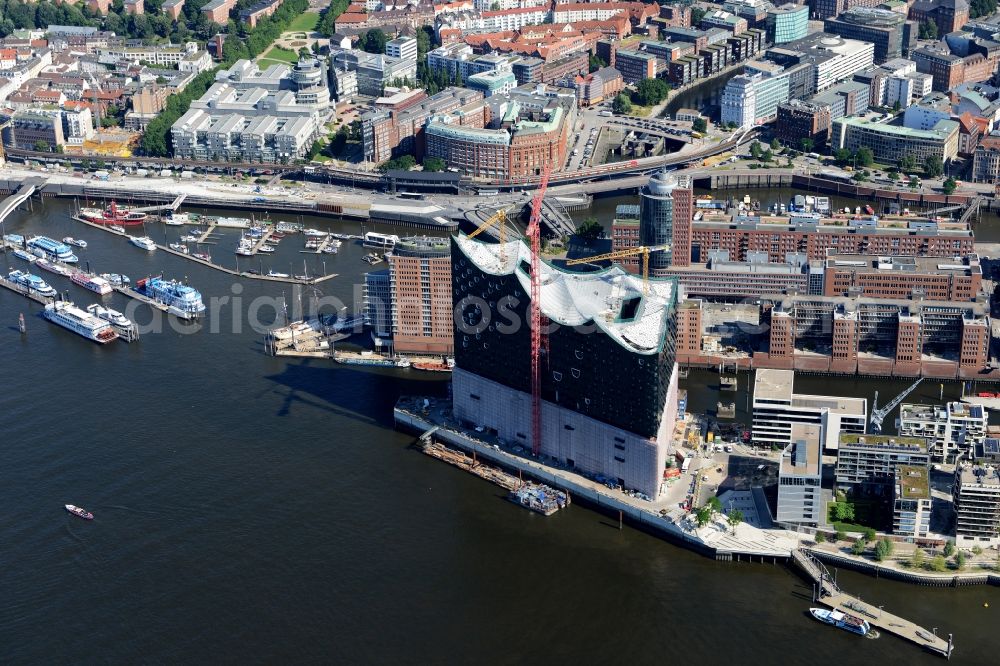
[(304, 22), (277, 55)]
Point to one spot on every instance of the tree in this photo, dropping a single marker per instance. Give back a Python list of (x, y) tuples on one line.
[(434, 164), (735, 518), (960, 560), (404, 163), (893, 175), (700, 125), (865, 157), (917, 559), (858, 547), (650, 92), (703, 516), (715, 504), (933, 166), (807, 144), (843, 156), (949, 548), (621, 104), (596, 63), (775, 144), (978, 8), (42, 146), (590, 229), (869, 534), (820, 537), (949, 186), (755, 150), (843, 512), (840, 535), (976, 550), (697, 14), (928, 30), (315, 149), (896, 106), (914, 182), (883, 549), (907, 163), (767, 156), (373, 41), (938, 563)]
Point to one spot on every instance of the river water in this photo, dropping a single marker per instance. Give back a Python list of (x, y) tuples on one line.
[(259, 510)]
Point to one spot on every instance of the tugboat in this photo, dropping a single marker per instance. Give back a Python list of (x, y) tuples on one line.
[(113, 215), (81, 513), (841, 620)]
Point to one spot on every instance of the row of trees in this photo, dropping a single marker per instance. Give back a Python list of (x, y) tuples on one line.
[(152, 25), (327, 22), (407, 162), (704, 515)]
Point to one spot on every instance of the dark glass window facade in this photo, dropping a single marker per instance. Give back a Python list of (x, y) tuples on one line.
[(584, 369)]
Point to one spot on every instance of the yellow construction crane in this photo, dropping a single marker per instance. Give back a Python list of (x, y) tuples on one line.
[(621, 254), (498, 218)]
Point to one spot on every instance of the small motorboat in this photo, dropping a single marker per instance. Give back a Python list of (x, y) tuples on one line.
[(189, 238), (117, 228), (24, 254), (179, 247), (80, 513), (116, 279), (275, 274), (69, 240), (202, 255)]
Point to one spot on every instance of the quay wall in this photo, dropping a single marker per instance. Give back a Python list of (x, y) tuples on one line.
[(580, 493), (96, 191), (915, 577)]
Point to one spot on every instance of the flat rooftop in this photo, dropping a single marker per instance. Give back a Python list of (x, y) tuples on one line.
[(979, 475), (887, 442), (773, 385), (912, 482), (879, 264), (802, 456), (837, 404)]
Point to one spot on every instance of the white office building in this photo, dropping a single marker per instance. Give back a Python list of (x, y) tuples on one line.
[(404, 48), (799, 476), (776, 408)]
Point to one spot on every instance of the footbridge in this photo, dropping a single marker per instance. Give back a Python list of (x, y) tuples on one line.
[(10, 204)]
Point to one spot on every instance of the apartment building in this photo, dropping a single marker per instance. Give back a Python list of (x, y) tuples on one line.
[(776, 409), (911, 505), (378, 303), (950, 429), (871, 460), (976, 495)]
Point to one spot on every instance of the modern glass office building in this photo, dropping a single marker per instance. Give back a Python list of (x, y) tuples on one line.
[(787, 23)]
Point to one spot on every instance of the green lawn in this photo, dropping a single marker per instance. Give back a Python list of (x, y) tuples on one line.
[(278, 54), (305, 22)]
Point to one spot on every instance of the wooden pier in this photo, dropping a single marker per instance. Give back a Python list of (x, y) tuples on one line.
[(262, 241), (826, 592), (208, 232)]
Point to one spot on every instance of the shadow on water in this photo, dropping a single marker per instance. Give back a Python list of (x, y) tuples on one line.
[(367, 396)]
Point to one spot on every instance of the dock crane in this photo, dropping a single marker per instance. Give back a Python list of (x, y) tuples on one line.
[(621, 254), (498, 218), (879, 414), (534, 233)]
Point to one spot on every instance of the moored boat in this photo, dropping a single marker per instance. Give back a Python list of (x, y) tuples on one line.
[(275, 274), (94, 283), (48, 248), (113, 317), (179, 247), (32, 282), (181, 300), (24, 254), (841, 620), (143, 242), (74, 319), (113, 215), (79, 512), (58, 269), (117, 279), (69, 240)]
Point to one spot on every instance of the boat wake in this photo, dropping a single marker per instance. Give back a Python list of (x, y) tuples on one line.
[(872, 633)]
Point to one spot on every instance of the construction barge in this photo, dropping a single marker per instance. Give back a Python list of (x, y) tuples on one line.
[(536, 497)]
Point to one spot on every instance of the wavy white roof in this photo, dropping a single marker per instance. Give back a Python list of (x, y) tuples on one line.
[(575, 299)]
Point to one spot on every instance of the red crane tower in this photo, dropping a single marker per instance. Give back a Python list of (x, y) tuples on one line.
[(534, 233)]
